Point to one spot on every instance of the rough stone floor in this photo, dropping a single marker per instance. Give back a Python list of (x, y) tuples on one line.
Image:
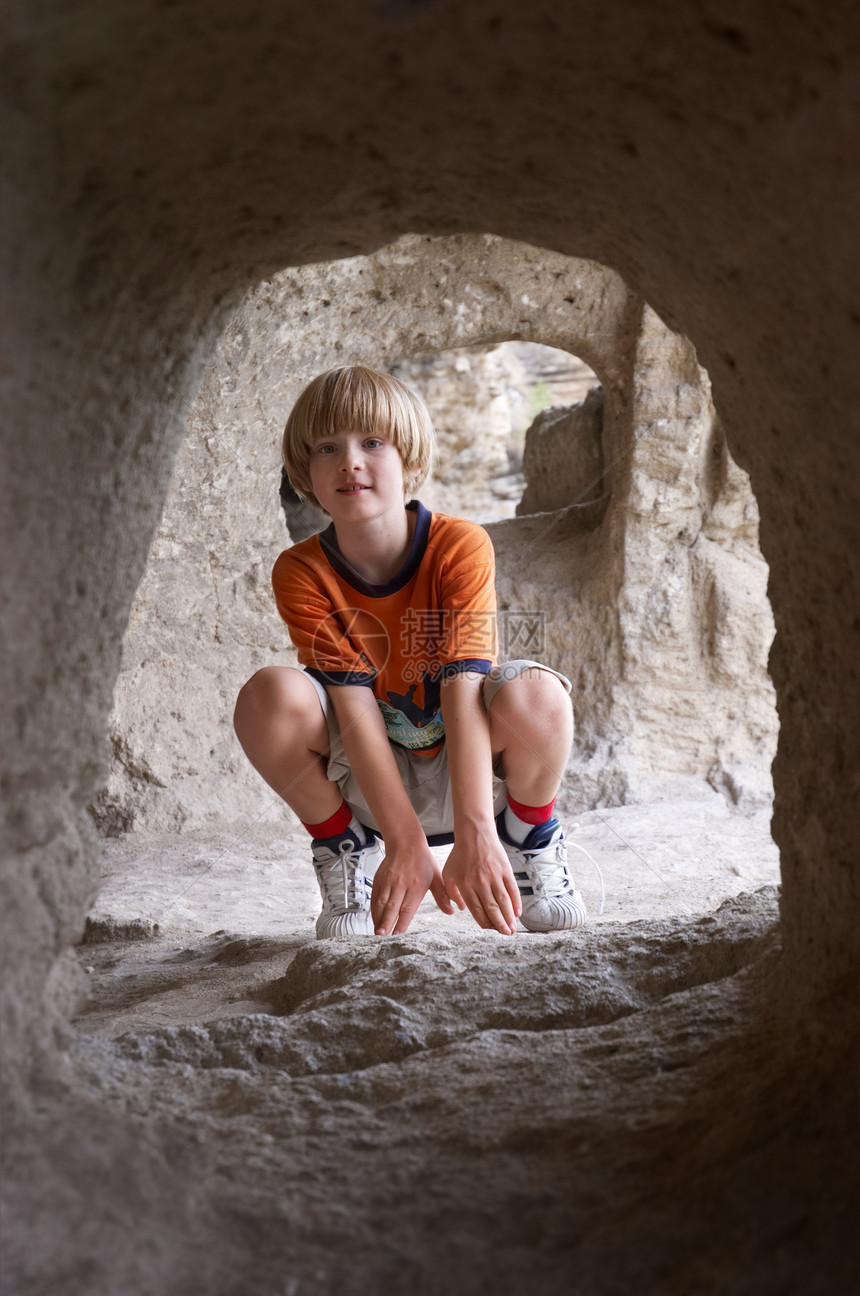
[(445, 1111), (177, 917)]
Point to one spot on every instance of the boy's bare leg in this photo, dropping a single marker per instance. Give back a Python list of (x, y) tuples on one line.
[(531, 726), (282, 729), (531, 723)]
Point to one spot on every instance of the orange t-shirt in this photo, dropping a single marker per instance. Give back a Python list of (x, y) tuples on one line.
[(436, 617)]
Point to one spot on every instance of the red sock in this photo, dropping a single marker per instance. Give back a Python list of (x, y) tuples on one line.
[(333, 827), (531, 814)]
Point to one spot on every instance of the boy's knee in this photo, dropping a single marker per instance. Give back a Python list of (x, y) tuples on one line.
[(248, 700), (268, 691), (533, 691)]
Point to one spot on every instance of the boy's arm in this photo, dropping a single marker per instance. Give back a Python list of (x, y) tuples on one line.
[(409, 867), (477, 873)]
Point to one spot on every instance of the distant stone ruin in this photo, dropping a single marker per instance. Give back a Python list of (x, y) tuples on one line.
[(563, 462)]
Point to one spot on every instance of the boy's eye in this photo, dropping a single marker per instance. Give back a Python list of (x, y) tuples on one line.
[(373, 442)]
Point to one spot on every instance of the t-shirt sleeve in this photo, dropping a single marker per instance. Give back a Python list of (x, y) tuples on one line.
[(322, 633), (467, 589)]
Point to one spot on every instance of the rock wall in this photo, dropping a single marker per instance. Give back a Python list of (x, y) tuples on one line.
[(563, 458), (671, 627)]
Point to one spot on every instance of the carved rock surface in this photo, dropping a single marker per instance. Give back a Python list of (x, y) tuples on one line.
[(563, 457)]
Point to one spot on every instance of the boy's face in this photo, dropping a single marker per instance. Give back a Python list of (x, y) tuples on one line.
[(356, 476)]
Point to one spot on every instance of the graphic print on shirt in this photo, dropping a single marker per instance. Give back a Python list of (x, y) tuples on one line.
[(409, 724)]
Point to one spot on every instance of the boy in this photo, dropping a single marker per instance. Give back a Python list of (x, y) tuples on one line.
[(400, 729)]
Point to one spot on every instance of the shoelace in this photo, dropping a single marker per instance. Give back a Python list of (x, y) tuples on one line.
[(555, 878), (340, 877), (576, 846)]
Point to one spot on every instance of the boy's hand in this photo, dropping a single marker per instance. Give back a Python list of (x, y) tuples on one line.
[(478, 877), (401, 883)]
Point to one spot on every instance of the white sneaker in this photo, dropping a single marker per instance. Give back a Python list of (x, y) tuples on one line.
[(345, 878), (550, 900)]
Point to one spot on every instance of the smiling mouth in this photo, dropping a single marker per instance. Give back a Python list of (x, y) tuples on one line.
[(351, 490)]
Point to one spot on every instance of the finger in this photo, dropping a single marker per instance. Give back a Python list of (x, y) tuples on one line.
[(476, 909), (514, 892), (378, 901), (440, 895), (385, 896), (455, 893), (497, 918), (506, 911), (387, 915), (408, 908)]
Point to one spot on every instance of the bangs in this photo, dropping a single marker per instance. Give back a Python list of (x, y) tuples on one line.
[(355, 400)]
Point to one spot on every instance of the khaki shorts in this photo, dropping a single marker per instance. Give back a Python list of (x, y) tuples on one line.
[(426, 778)]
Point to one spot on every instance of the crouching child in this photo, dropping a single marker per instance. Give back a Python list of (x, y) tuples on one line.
[(401, 730)]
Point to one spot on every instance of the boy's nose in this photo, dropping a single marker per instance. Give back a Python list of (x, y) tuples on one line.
[(352, 458)]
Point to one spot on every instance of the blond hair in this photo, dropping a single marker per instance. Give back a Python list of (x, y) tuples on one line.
[(354, 398)]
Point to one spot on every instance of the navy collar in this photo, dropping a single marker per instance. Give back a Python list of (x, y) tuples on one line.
[(331, 549)]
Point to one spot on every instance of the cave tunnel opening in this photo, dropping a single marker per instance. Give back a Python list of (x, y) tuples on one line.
[(664, 633)]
